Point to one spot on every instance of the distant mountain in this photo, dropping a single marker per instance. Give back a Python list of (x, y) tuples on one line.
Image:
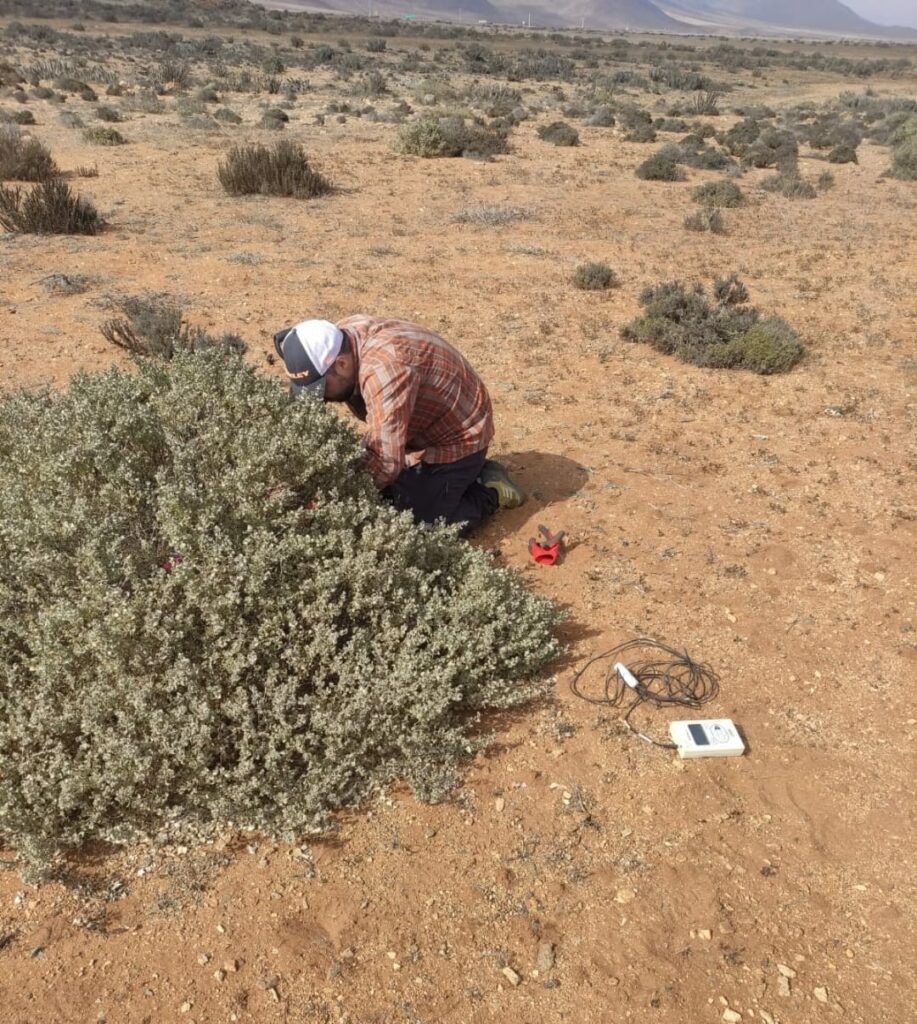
[(762, 17), (637, 15), (827, 17)]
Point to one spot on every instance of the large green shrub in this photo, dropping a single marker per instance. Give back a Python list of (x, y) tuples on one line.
[(207, 616), (725, 333), (432, 136)]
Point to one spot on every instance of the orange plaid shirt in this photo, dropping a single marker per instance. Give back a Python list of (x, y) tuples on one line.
[(420, 398)]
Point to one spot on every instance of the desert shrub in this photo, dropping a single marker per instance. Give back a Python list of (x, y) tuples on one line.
[(789, 185), (23, 158), (601, 117), (110, 114), (208, 618), (719, 193), (282, 170), (843, 154), (741, 135), (226, 116), (432, 136), (641, 133), (559, 133), (102, 135), (670, 124), (631, 116), (904, 154), (659, 167), (825, 181), (23, 117), (66, 284), (492, 215), (375, 45), (145, 102), (594, 277), (724, 333), (772, 148), (49, 208), (70, 119), (151, 325), (706, 102), (708, 219)]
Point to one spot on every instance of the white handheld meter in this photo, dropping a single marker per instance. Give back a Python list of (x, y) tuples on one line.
[(710, 737)]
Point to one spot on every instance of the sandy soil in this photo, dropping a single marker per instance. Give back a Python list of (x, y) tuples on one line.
[(766, 524)]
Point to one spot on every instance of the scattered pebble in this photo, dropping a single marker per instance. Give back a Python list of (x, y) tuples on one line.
[(783, 986), (219, 974), (766, 1017), (230, 966), (624, 895), (185, 1007), (544, 960), (203, 959), (787, 972), (732, 1016), (511, 976), (499, 803), (821, 994)]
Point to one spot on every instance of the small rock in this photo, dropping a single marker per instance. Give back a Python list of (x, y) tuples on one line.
[(552, 983), (821, 994), (783, 986), (732, 1016), (511, 976), (219, 975), (185, 1007), (766, 1017), (787, 972), (544, 960), (221, 930), (624, 895), (704, 933), (230, 966), (499, 803), (203, 959)]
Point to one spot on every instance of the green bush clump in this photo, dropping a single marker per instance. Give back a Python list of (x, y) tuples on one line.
[(724, 333), (594, 277), (708, 219), (843, 154), (24, 158), (431, 136), (102, 135), (790, 186), (559, 133), (49, 208), (659, 167), (641, 133), (208, 618), (282, 170), (904, 154), (719, 193)]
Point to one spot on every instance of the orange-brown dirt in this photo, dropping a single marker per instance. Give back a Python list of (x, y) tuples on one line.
[(766, 524)]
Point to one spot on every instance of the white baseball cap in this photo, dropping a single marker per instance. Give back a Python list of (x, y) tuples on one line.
[(308, 351)]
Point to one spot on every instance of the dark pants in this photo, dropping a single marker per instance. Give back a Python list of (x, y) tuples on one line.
[(448, 491)]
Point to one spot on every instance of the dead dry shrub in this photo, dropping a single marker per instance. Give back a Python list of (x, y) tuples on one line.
[(208, 617), (725, 333), (281, 170), (492, 215), (709, 219), (103, 135), (48, 208), (152, 326), (24, 158)]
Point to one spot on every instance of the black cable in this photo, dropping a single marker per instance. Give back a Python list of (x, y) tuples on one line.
[(677, 679)]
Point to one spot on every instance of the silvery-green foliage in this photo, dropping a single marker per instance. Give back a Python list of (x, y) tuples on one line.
[(207, 615)]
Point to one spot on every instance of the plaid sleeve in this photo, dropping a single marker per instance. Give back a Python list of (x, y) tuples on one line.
[(390, 391)]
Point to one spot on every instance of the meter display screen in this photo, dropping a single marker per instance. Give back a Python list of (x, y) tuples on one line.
[(698, 734)]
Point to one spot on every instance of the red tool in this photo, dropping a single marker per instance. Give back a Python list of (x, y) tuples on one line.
[(547, 550)]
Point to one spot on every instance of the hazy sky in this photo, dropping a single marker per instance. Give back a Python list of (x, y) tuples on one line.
[(886, 12)]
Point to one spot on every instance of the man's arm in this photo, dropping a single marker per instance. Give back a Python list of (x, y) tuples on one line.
[(389, 393)]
